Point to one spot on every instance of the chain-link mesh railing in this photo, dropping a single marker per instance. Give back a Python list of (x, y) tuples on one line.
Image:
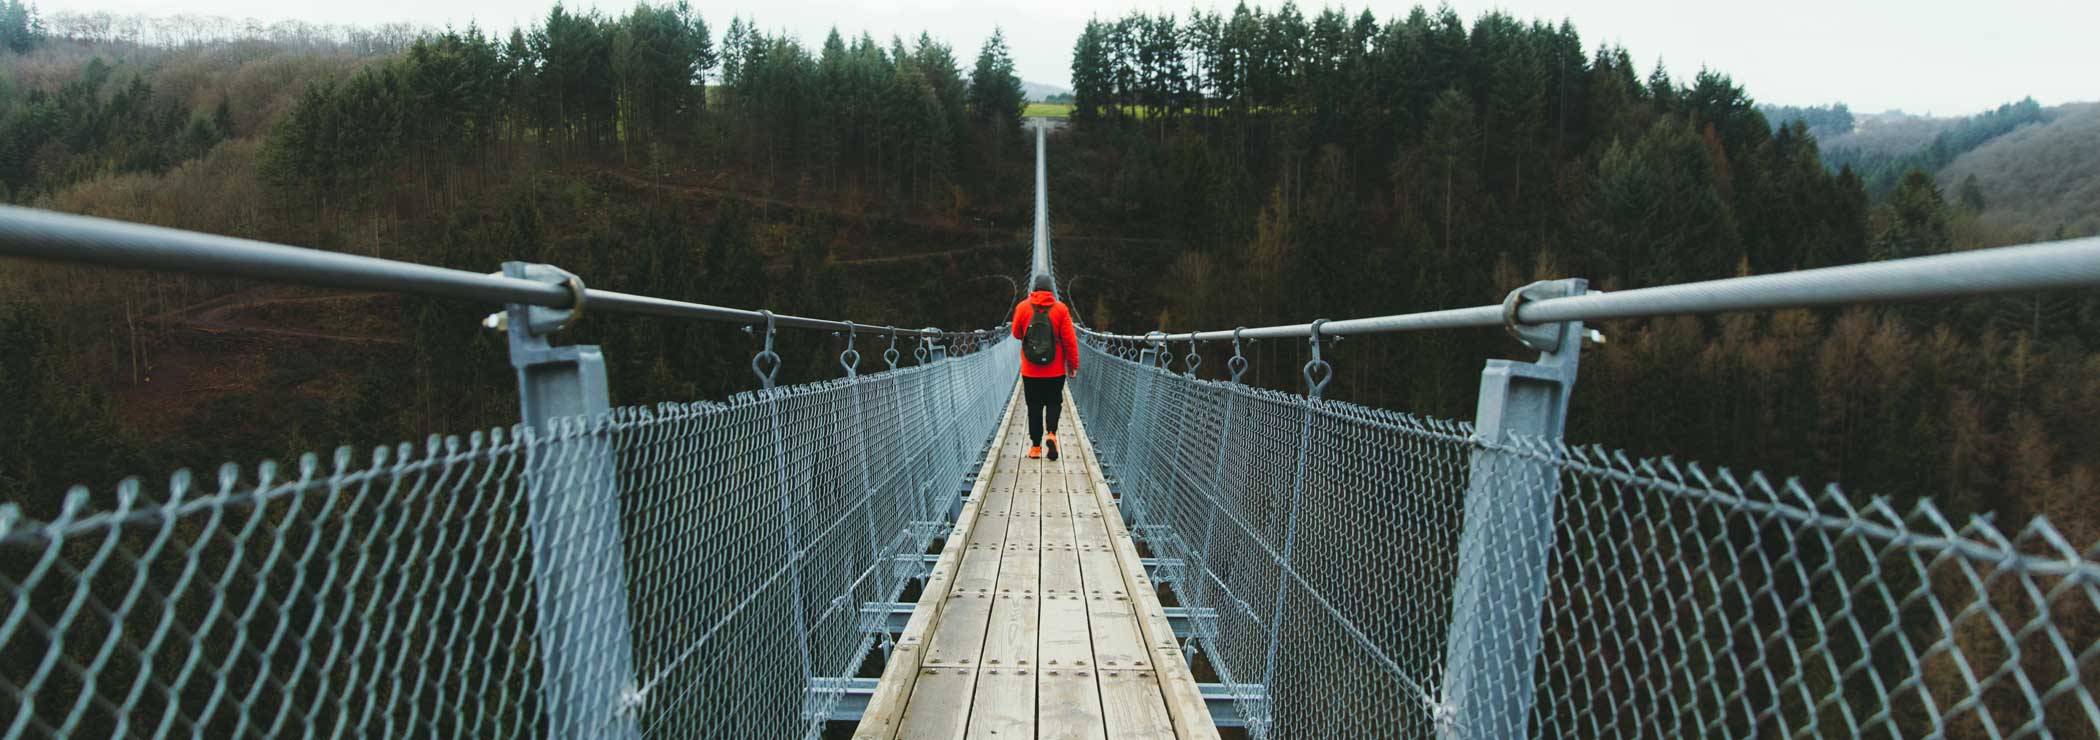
[(1325, 539), (403, 595)]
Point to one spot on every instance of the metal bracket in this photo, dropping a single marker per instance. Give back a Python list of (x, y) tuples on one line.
[(1507, 541), (541, 319), (553, 382), (935, 350), (1153, 352), (574, 519), (1541, 337)]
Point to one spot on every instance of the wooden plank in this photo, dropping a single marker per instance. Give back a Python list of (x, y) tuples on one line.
[(1004, 707), (1131, 706), (940, 706), (958, 637), (1189, 717), (1060, 558), (1117, 642), (1069, 705), (1056, 514), (1064, 639), (979, 571), (1065, 643), (987, 543), (1010, 641), (886, 711)]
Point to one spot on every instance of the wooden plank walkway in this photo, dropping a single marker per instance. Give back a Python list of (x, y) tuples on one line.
[(1038, 619)]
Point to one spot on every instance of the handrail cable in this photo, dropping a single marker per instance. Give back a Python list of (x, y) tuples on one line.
[(59, 237), (2073, 263)]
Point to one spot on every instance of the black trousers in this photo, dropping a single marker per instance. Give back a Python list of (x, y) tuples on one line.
[(1046, 399)]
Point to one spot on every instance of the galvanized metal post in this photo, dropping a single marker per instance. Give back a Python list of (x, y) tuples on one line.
[(572, 492), (1504, 549)]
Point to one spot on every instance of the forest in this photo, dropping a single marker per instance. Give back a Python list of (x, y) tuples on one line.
[(584, 141), (1344, 166), (1882, 169), (1243, 168)]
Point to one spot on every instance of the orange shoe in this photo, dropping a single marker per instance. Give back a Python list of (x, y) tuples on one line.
[(1035, 453), (1051, 440)]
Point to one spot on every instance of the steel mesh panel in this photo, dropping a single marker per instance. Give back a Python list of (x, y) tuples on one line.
[(1209, 471), (1675, 603), (392, 596), (402, 594), (1684, 603)]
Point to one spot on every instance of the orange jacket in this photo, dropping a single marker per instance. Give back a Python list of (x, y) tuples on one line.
[(1067, 360)]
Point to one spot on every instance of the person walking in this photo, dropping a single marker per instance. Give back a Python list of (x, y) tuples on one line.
[(1049, 355)]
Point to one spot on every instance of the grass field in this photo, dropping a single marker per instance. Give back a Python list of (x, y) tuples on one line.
[(1048, 110)]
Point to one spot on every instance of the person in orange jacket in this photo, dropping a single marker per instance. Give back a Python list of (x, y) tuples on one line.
[(1049, 355)]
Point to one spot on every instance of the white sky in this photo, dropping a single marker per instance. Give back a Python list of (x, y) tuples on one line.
[(1936, 56)]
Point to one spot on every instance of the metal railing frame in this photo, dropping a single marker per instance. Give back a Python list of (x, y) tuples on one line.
[(582, 635), (1492, 647)]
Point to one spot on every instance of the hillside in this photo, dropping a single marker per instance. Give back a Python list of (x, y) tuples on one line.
[(2038, 178), (1891, 132), (1039, 91), (2020, 172)]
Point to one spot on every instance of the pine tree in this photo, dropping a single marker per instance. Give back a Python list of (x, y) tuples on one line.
[(1972, 195), (1241, 52), (20, 30), (1449, 142), (1656, 217), (996, 98), (1916, 220), (222, 117), (734, 41), (1205, 38), (1091, 86), (835, 109)]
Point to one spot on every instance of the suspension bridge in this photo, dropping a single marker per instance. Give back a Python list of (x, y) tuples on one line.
[(1208, 559)]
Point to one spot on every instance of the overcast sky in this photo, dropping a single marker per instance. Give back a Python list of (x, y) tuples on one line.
[(1936, 56)]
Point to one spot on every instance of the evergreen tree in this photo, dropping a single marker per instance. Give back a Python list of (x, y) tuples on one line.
[(1656, 216), (1090, 83), (222, 117), (1916, 220), (1972, 195), (660, 56), (20, 30), (579, 97), (996, 98), (520, 77), (1449, 142), (1663, 90)]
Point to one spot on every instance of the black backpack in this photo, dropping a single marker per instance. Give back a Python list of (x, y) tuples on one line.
[(1039, 342)]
